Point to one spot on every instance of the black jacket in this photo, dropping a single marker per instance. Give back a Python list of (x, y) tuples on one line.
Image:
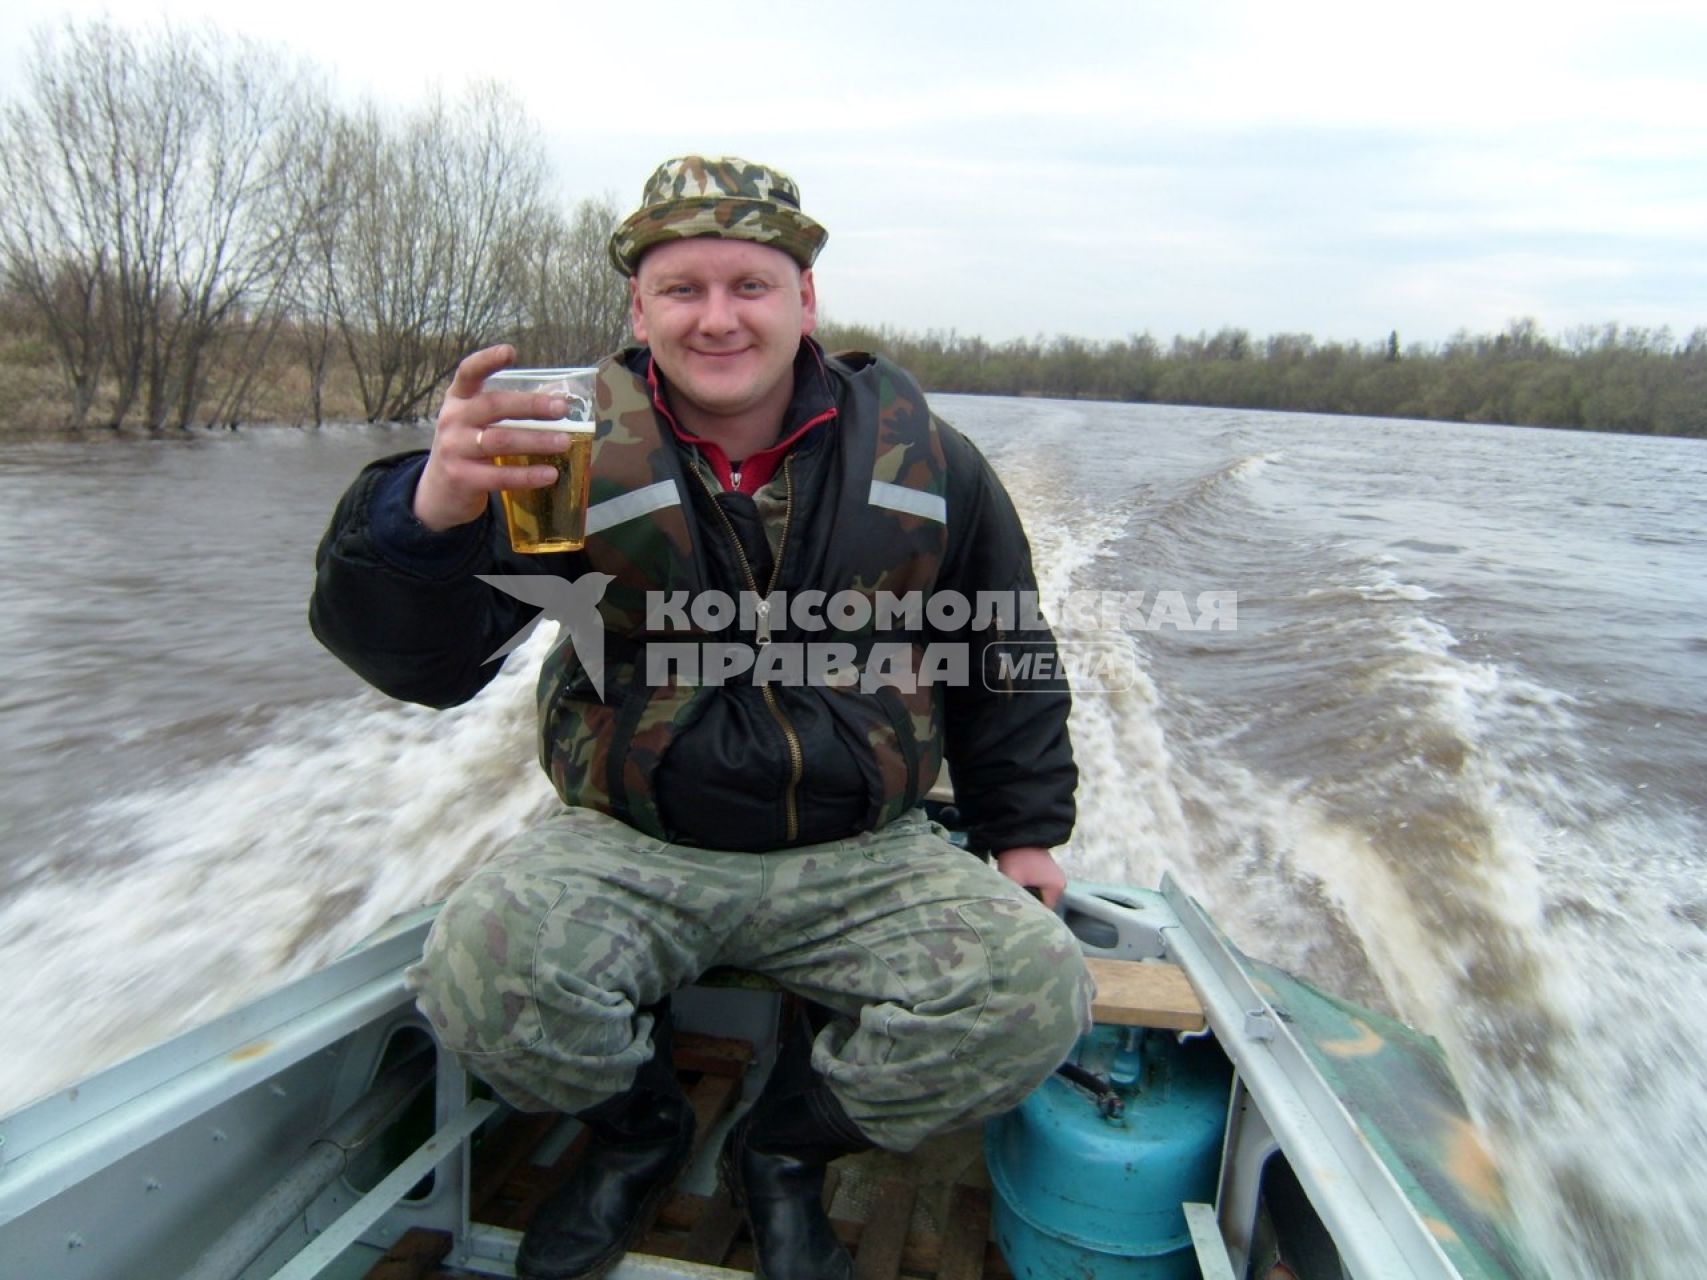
[(403, 608)]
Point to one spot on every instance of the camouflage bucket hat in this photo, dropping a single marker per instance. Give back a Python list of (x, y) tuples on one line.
[(720, 196)]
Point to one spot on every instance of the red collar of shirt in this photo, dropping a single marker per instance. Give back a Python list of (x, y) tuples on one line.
[(806, 408)]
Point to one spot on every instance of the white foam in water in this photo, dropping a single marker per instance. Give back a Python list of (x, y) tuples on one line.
[(208, 892), (1126, 772), (1383, 585), (1599, 1124), (1131, 823), (1255, 464), (1063, 546), (1604, 1157), (1554, 937), (1596, 1196)]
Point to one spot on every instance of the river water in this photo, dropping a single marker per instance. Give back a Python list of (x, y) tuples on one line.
[(1452, 759)]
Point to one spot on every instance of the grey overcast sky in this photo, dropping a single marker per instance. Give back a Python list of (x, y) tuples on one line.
[(1102, 168)]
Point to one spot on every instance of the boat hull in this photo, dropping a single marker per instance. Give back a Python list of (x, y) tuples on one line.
[(198, 1158)]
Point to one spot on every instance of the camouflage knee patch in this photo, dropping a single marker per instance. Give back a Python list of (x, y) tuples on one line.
[(474, 979), (1005, 995), (532, 973)]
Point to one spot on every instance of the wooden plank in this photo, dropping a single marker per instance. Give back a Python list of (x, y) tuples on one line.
[(714, 1234), (675, 1223), (741, 1256), (415, 1256), (712, 1055), (503, 1152), (1148, 993), (681, 1211), (996, 1266), (966, 1235), (885, 1233), (924, 1255), (711, 1097), (510, 1189), (535, 1185), (705, 1229)]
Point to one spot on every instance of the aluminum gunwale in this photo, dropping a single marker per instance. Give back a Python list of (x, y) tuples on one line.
[(1373, 1223)]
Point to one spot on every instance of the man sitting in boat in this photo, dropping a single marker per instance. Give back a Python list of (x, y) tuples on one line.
[(769, 820)]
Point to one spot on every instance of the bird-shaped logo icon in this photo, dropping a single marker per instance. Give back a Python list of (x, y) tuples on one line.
[(572, 604)]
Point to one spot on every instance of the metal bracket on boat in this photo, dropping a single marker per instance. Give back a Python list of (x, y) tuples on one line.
[(1376, 1229), (324, 1160), (445, 1143), (1206, 1241)]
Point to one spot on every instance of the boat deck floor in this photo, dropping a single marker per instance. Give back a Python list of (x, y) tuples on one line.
[(922, 1216)]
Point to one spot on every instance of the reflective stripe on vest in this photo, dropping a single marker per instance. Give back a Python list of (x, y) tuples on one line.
[(896, 497), (631, 506)]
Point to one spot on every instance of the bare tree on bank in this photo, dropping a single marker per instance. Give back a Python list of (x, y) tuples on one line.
[(428, 258), (575, 307), (319, 198), (235, 254), (54, 241), (140, 178), (186, 214)]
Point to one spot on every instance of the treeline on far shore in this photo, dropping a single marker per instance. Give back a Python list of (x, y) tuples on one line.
[(199, 232), (1596, 378)]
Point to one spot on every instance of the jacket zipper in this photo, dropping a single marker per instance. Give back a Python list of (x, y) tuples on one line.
[(762, 633)]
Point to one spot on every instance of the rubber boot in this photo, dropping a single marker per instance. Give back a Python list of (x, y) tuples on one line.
[(773, 1166), (640, 1142)]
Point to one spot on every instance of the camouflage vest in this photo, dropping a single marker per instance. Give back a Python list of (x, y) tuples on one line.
[(884, 531)]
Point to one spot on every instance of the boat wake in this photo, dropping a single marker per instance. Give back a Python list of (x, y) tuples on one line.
[(200, 895), (1422, 831)]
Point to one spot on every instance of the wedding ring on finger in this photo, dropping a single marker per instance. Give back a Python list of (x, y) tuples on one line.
[(479, 437)]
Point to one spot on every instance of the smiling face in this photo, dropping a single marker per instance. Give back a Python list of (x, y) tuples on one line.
[(724, 319)]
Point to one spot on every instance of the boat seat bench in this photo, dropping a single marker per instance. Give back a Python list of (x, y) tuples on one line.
[(1144, 993), (1130, 993)]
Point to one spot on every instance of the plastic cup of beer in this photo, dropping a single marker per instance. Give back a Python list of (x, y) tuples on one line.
[(553, 518)]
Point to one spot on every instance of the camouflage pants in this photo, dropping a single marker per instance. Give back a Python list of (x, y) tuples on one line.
[(957, 993)]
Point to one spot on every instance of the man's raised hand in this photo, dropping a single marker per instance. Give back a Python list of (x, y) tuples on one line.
[(460, 472)]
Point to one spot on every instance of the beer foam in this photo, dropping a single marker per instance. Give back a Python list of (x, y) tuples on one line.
[(573, 426)]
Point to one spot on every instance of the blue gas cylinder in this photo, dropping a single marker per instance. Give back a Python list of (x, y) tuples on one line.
[(1093, 1192)]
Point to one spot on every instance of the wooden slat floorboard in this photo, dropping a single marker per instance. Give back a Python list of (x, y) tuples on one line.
[(502, 1153), (885, 1234), (965, 1236), (712, 1097), (832, 1180), (711, 1055), (708, 1229), (712, 1235), (513, 1204), (415, 1256)]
